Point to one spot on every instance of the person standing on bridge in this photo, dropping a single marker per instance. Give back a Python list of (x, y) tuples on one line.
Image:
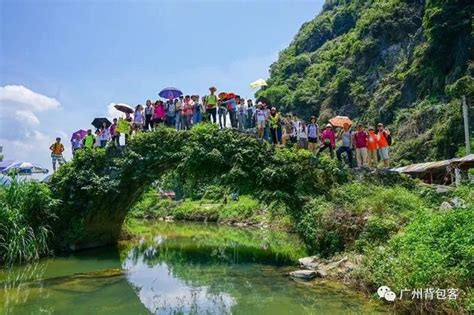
[(328, 139), (170, 113), (242, 114), (114, 134), (178, 118), (149, 116), (159, 113), (187, 112), (197, 110), (211, 105), (104, 135), (89, 140), (250, 115), (261, 120), (372, 148), (76, 143), (138, 118), (346, 137), (360, 143), (313, 135), (222, 112), (384, 140), (302, 136), (266, 130), (274, 120), (57, 150), (232, 109)]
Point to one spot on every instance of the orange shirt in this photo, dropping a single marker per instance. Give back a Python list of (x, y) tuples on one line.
[(372, 141), (382, 140), (57, 148)]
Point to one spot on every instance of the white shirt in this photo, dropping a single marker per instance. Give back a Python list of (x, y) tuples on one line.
[(303, 134)]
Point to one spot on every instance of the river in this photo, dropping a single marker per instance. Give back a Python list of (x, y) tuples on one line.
[(178, 268)]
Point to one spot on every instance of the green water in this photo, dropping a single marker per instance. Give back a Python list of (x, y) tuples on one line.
[(177, 268)]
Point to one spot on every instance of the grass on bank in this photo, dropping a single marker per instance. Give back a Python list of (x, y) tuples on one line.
[(27, 209), (406, 240), (246, 210)]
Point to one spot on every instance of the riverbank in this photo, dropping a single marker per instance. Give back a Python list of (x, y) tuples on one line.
[(364, 236), (244, 211)]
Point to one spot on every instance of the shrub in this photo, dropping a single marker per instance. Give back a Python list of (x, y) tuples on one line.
[(244, 208), (214, 193), (27, 209), (435, 250), (193, 210), (357, 213)]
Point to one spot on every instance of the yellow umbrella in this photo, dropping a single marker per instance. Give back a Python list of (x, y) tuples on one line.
[(258, 84)]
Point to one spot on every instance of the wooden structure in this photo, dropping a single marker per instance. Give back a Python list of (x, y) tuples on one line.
[(439, 172)]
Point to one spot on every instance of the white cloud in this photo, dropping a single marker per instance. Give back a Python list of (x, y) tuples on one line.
[(25, 98), (112, 112), (27, 117), (18, 111), (21, 132)]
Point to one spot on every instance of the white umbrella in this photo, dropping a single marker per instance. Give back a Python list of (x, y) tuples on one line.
[(258, 84), (25, 168)]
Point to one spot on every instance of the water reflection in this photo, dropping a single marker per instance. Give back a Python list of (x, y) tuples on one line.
[(197, 269), (176, 269), (162, 293)]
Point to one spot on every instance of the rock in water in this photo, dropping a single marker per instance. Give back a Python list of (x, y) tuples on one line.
[(310, 263), (303, 274)]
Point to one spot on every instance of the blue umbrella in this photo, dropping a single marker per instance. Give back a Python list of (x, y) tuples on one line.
[(25, 168), (170, 92)]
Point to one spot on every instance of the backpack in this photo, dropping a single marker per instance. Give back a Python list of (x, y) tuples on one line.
[(388, 138)]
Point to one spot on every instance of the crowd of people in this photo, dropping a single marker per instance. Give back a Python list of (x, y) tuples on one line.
[(368, 146)]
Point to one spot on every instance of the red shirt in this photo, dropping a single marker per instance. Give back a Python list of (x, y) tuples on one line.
[(360, 139)]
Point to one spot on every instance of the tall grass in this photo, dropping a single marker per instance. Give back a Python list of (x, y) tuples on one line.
[(26, 210)]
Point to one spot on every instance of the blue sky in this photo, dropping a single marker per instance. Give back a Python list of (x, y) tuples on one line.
[(63, 62)]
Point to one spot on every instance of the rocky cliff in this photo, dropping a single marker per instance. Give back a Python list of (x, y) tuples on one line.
[(404, 63)]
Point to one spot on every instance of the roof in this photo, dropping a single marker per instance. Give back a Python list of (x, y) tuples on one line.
[(431, 166), (467, 158), (5, 164)]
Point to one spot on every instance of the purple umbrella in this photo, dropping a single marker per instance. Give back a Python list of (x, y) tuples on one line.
[(170, 92), (81, 132)]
